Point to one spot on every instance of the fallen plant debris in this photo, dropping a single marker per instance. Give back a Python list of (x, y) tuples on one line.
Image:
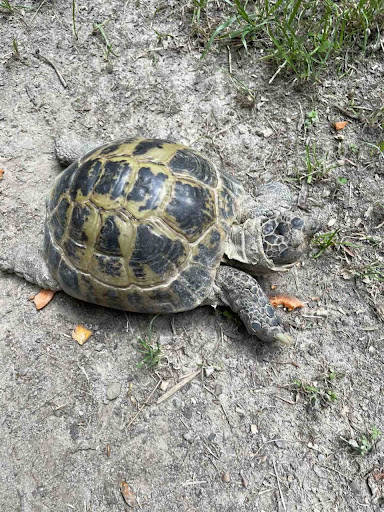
[(128, 494), (81, 334), (340, 125), (178, 386), (1, 173), (43, 298), (287, 301)]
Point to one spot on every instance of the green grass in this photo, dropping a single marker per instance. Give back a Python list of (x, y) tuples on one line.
[(320, 393), (374, 270), (366, 442), (303, 35), (151, 352), (198, 7), (99, 28), (15, 47), (6, 6)]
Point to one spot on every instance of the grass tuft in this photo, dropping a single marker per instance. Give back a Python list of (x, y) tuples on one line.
[(152, 353), (99, 28), (303, 35)]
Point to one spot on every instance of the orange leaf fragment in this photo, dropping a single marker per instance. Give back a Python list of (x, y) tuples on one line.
[(128, 495), (1, 173), (42, 298), (287, 301), (340, 125), (81, 334)]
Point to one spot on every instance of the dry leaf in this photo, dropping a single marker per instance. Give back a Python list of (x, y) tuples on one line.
[(81, 334), (42, 298), (287, 301), (128, 495), (340, 125), (1, 173)]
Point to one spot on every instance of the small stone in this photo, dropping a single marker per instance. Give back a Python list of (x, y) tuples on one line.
[(218, 389), (244, 481), (226, 477), (187, 412), (264, 132), (321, 457), (164, 385), (209, 371), (280, 444), (113, 390), (355, 487), (253, 429), (240, 411), (290, 478), (331, 222), (325, 193), (321, 312), (188, 436)]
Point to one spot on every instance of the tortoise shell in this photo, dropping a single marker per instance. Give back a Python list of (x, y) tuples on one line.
[(139, 225)]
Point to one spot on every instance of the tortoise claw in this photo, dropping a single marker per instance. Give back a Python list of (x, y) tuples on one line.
[(284, 338)]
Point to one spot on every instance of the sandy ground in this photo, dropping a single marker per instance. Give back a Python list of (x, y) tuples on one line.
[(240, 437)]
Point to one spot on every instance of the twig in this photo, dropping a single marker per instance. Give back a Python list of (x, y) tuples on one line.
[(38, 9), (336, 471), (347, 113), (277, 72), (285, 400), (50, 63), (144, 404), (278, 485), (225, 414), (178, 386), (229, 61)]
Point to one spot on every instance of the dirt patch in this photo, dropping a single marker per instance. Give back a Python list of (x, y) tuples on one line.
[(66, 439)]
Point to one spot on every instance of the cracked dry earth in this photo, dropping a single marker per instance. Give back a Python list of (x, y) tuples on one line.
[(262, 428)]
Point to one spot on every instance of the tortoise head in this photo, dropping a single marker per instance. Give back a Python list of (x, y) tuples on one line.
[(286, 236), (280, 237)]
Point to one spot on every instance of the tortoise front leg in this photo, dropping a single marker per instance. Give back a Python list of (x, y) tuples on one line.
[(28, 262), (243, 294), (273, 196)]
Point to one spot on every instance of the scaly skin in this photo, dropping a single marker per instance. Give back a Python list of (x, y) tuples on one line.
[(27, 262), (243, 294)]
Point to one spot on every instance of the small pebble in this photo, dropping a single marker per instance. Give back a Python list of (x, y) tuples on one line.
[(253, 429), (188, 436), (113, 390), (209, 371), (355, 486), (244, 481), (226, 477), (187, 412), (321, 457), (218, 389), (164, 385)]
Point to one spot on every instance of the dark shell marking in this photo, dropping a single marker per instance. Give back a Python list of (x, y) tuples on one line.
[(139, 225)]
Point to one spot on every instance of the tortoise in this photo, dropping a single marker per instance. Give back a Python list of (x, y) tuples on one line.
[(152, 226)]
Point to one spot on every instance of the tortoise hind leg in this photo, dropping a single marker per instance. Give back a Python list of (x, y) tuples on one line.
[(243, 294), (28, 262), (70, 147)]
